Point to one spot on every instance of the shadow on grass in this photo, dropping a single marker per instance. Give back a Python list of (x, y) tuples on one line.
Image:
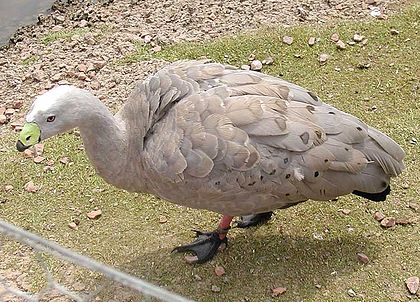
[(254, 265)]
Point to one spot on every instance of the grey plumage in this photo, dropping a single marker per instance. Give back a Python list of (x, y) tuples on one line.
[(238, 142)]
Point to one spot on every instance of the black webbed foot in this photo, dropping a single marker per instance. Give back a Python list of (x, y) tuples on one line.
[(253, 220), (205, 246)]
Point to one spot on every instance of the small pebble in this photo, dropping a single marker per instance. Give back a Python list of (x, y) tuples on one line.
[(358, 38), (287, 40), (38, 159), (278, 291), (219, 271), (378, 216), (197, 277), (394, 31), (323, 58), (311, 41), (64, 160), (362, 258), (335, 37), (95, 214), (30, 187), (268, 61), (256, 65), (375, 12), (147, 39), (251, 57), (351, 293), (72, 225), (412, 284), (388, 222), (215, 289), (345, 211), (340, 44), (364, 65)]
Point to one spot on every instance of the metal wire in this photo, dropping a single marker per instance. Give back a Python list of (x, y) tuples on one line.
[(40, 244)]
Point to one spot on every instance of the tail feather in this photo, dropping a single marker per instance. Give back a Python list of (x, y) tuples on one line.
[(374, 196)]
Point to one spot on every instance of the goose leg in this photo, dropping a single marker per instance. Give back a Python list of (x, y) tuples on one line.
[(206, 245), (253, 220)]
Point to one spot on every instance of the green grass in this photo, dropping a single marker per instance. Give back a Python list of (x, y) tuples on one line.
[(284, 252), (65, 34), (30, 60)]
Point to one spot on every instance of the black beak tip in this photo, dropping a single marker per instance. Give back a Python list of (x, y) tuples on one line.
[(21, 147)]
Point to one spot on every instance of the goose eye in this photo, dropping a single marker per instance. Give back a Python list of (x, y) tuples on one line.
[(51, 118)]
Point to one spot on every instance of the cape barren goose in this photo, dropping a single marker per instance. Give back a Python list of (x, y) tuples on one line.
[(236, 142)]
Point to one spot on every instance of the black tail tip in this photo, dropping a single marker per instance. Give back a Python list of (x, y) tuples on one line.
[(374, 196)]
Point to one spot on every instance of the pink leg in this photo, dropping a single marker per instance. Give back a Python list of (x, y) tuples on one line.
[(224, 226)]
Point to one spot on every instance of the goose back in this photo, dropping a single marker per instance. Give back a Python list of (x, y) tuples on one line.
[(240, 142)]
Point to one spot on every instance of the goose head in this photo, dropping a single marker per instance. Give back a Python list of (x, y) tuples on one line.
[(58, 110)]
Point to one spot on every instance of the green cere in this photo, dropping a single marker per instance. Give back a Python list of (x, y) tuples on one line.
[(30, 134)]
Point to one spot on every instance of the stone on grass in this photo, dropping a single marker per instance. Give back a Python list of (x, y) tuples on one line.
[(351, 293), (323, 58), (219, 271), (72, 225), (378, 216), (95, 214), (64, 160), (362, 258), (340, 44), (358, 38), (335, 37), (412, 284), (275, 292), (345, 211), (268, 61), (394, 31), (256, 65), (311, 41), (8, 188), (388, 222), (288, 40), (38, 159), (30, 187)]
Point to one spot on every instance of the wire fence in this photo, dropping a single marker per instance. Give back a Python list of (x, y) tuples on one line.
[(11, 292)]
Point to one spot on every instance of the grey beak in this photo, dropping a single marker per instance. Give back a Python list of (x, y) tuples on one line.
[(21, 147)]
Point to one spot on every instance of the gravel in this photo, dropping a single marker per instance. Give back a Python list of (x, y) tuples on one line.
[(109, 30)]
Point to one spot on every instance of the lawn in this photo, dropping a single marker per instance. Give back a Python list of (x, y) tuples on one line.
[(311, 248)]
